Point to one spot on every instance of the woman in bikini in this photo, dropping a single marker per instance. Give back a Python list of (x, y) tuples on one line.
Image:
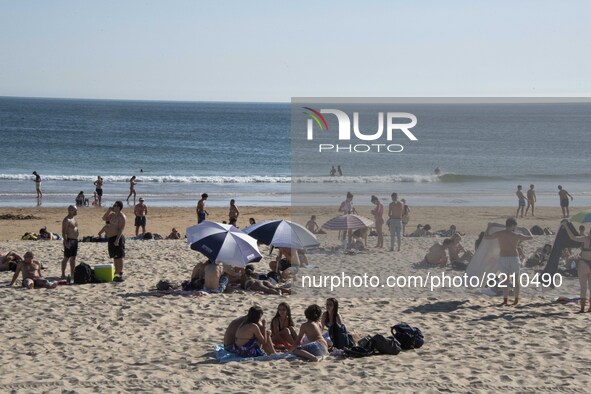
[(283, 331), (252, 335), (583, 265), (378, 214)]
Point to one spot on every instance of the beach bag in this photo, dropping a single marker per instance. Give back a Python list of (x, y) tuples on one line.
[(386, 345), (82, 274), (358, 352), (165, 284), (339, 336), (409, 337), (537, 230)]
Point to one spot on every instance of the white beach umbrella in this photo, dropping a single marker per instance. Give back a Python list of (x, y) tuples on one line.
[(282, 234)]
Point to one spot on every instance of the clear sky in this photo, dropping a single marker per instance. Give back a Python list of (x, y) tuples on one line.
[(274, 50)]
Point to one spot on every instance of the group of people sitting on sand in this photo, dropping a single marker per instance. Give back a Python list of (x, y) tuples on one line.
[(28, 268), (211, 277), (459, 257), (249, 336)]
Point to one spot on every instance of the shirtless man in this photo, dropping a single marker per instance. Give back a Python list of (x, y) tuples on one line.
[(564, 195), (214, 279), (140, 211), (201, 212), (99, 189), (70, 239), (521, 201), (116, 241), (38, 184), (395, 211), (317, 347), (31, 273), (509, 262), (234, 213), (531, 200)]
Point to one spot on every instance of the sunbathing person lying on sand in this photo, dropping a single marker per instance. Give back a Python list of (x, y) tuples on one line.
[(437, 253), (312, 329), (9, 261), (31, 274), (252, 282), (251, 334), (283, 331)]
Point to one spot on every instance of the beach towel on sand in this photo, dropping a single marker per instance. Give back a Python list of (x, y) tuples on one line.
[(561, 241), (224, 356)]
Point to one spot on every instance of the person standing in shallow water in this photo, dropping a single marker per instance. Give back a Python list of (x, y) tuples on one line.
[(38, 184)]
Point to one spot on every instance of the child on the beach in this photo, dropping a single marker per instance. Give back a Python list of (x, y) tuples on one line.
[(31, 273), (283, 330), (312, 329)]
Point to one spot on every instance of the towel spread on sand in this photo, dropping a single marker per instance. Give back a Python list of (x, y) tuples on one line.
[(224, 356)]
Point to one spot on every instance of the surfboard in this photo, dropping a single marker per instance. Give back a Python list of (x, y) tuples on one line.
[(486, 257)]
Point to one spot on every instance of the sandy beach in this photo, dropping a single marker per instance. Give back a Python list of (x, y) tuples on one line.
[(126, 337)]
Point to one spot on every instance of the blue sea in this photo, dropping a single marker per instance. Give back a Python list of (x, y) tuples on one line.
[(178, 150)]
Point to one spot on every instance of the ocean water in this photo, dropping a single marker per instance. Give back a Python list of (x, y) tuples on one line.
[(178, 150)]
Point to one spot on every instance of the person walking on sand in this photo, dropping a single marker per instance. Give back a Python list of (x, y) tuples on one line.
[(233, 213), (395, 211), (99, 189), (132, 184), (521, 201), (509, 263), (38, 184), (201, 212), (140, 211), (531, 200), (339, 170), (115, 240), (70, 240), (564, 195)]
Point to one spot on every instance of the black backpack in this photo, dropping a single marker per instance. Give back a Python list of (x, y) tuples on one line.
[(82, 274), (409, 337), (339, 336), (386, 345)]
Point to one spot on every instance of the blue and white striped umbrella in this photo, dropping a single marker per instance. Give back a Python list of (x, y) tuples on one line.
[(223, 243), (582, 217), (282, 234)]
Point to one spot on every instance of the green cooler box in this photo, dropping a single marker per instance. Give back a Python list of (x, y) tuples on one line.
[(104, 272)]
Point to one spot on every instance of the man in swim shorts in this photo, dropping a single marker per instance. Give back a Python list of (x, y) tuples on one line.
[(531, 200), (99, 189), (116, 241), (201, 212), (140, 211), (564, 195), (509, 263), (70, 239)]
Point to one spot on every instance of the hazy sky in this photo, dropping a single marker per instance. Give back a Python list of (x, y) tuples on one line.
[(275, 50)]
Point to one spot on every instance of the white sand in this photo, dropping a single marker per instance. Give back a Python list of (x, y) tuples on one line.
[(121, 337)]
